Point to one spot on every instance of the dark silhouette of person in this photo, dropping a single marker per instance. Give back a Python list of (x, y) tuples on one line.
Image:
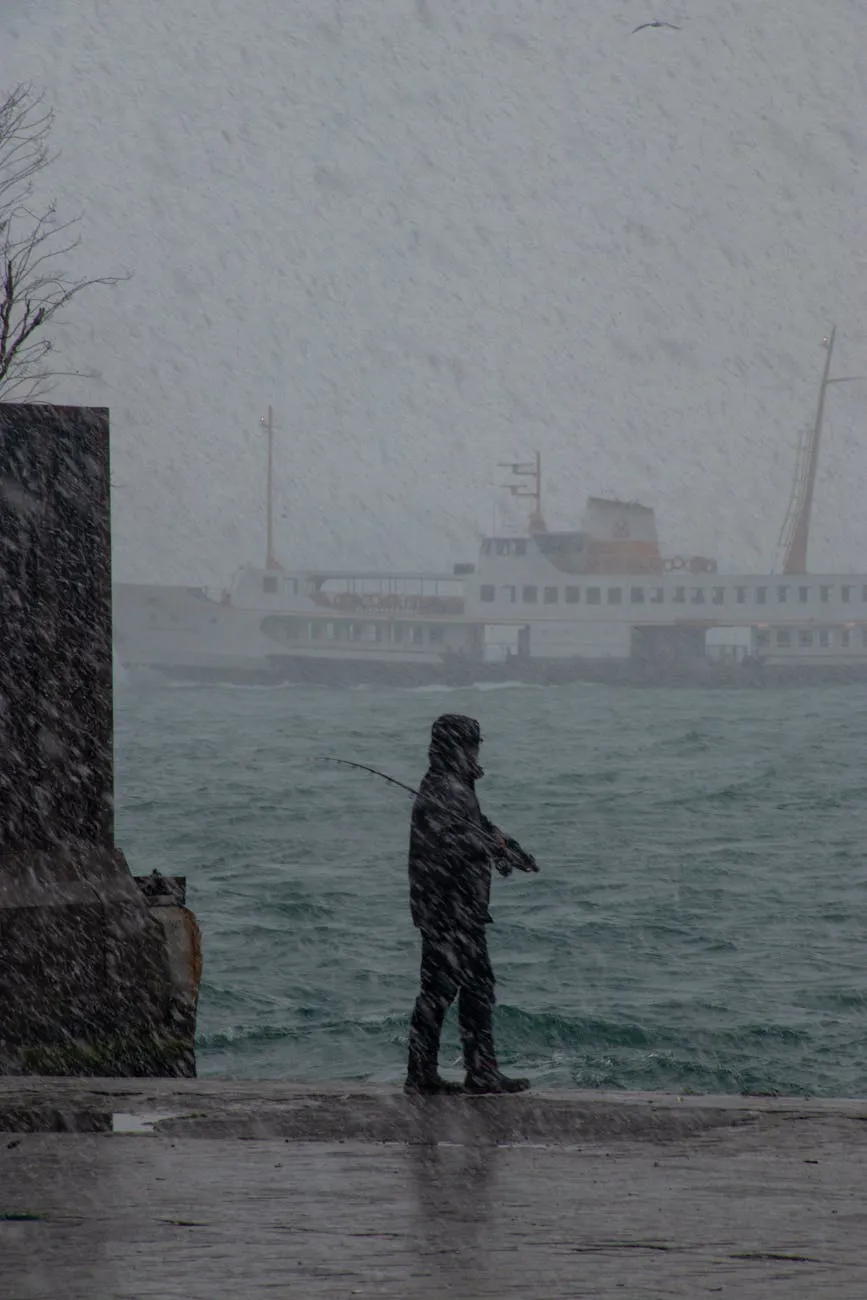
[(451, 853)]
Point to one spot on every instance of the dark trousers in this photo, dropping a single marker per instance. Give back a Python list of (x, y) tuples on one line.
[(454, 965)]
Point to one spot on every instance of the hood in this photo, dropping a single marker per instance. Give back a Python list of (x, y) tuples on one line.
[(453, 738)]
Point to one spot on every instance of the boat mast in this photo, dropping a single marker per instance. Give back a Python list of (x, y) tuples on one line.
[(795, 536), (270, 558)]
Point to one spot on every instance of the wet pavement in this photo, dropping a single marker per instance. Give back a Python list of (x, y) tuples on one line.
[(204, 1189)]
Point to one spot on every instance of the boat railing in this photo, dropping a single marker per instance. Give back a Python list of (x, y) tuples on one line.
[(389, 603)]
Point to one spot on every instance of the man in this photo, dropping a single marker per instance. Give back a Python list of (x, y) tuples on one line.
[(452, 849)]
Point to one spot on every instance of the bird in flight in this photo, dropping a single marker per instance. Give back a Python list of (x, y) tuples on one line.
[(655, 23)]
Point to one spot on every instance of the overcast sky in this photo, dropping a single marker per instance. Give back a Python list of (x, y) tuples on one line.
[(437, 233)]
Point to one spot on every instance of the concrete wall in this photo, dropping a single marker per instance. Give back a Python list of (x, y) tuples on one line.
[(85, 980)]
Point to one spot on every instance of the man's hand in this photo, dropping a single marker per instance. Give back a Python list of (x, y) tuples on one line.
[(513, 857)]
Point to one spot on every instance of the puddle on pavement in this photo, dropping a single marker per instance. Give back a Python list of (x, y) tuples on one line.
[(123, 1122)]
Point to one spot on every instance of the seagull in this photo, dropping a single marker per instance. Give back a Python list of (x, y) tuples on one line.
[(656, 23)]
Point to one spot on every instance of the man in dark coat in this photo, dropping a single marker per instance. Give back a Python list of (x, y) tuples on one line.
[(451, 853)]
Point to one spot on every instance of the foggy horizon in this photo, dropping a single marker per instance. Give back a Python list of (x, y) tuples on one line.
[(436, 241)]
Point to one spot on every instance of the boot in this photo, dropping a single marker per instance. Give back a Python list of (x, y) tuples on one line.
[(432, 1086), (492, 1082), (484, 1076), (422, 1075)]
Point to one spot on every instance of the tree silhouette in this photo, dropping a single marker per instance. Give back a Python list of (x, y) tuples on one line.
[(34, 241)]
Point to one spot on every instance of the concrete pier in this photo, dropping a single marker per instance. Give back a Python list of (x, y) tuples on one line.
[(95, 978), (205, 1189)]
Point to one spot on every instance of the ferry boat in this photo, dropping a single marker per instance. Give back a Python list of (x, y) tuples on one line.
[(600, 601), (275, 624)]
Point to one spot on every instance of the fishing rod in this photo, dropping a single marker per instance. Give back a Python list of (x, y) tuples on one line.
[(519, 856), (362, 767)]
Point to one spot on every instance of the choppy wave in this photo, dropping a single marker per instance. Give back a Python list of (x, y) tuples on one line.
[(442, 688), (556, 1050)]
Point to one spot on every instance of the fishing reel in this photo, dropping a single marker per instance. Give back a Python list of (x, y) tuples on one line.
[(513, 858)]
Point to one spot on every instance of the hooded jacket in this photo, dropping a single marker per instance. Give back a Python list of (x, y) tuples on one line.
[(452, 845)]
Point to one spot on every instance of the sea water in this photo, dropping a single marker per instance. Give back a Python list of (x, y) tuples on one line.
[(699, 923)]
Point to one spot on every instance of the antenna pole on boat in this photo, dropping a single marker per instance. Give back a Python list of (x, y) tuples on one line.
[(270, 557), (531, 470), (538, 522)]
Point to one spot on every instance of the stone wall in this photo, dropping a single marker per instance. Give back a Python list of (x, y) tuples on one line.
[(86, 983)]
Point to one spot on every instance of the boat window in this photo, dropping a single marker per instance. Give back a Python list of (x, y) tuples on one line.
[(330, 632), (636, 595), (594, 595), (805, 637), (284, 629), (864, 636), (719, 595), (740, 595), (679, 596), (844, 636), (505, 546), (511, 593), (864, 591), (782, 595), (435, 633), (416, 634), (552, 595), (784, 636), (825, 639), (573, 595), (761, 595), (825, 594), (269, 583), (397, 633), (657, 595), (763, 638), (355, 631), (315, 630), (697, 597), (529, 595), (615, 595), (487, 591), (371, 632), (845, 594), (803, 594)]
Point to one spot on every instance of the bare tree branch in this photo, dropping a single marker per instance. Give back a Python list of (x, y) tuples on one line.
[(34, 285)]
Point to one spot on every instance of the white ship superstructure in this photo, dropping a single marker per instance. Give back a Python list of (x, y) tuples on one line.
[(606, 592), (271, 620)]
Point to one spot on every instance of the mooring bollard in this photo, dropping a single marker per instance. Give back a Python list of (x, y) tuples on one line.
[(166, 896)]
